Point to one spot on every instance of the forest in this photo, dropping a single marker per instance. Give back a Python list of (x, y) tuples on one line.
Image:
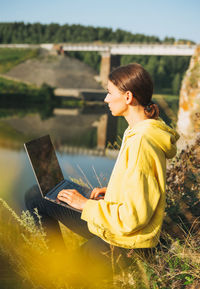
[(167, 71)]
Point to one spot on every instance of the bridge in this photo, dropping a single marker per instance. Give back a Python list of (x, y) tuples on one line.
[(108, 49), (114, 48), (131, 49)]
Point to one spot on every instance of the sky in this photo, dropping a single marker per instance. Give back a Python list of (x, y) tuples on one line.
[(173, 18)]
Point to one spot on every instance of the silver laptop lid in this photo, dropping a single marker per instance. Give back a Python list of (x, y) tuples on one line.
[(44, 163)]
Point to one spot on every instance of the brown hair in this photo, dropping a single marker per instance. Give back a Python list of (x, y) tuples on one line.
[(133, 77)]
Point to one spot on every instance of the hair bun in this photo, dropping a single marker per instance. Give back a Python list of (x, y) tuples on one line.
[(151, 110), (148, 107)]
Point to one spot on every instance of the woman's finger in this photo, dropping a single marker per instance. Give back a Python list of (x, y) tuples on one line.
[(96, 194), (64, 195), (65, 200), (67, 192), (93, 193), (99, 194)]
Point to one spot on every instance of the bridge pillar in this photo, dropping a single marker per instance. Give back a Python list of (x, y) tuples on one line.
[(101, 131), (105, 67), (108, 62), (188, 123), (106, 130)]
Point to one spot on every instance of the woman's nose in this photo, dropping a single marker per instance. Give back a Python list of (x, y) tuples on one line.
[(106, 98)]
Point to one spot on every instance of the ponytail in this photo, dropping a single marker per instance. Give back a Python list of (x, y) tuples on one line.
[(151, 110)]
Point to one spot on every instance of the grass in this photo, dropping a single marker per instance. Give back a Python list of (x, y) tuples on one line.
[(19, 98), (174, 263), (8, 86), (171, 100), (72, 103), (10, 57), (33, 264), (168, 105), (26, 250)]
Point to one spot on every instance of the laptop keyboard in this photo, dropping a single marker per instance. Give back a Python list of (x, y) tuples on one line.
[(85, 191), (71, 185)]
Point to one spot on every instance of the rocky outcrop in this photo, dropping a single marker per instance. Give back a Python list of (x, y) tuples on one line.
[(189, 104), (183, 174), (188, 123)]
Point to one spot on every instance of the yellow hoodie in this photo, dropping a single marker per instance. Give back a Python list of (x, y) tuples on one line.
[(131, 214)]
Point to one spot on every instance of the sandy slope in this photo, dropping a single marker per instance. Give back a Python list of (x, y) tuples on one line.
[(57, 71)]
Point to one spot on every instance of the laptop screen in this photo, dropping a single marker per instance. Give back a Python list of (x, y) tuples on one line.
[(44, 162)]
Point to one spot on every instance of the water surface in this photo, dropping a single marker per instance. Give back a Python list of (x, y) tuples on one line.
[(78, 138)]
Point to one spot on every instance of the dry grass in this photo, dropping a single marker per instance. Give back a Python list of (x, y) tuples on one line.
[(26, 251), (174, 263)]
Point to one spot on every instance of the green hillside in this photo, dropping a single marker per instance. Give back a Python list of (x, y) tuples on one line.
[(10, 57)]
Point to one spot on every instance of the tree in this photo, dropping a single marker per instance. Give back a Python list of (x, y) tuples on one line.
[(176, 83)]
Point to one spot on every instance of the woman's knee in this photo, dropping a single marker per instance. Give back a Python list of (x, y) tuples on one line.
[(96, 253), (31, 197), (95, 248)]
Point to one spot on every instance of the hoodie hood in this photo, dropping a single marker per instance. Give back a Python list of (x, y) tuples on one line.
[(157, 130)]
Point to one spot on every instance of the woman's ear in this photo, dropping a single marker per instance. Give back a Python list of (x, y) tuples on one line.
[(128, 97)]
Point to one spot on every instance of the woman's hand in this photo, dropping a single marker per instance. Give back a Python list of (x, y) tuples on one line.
[(98, 193), (72, 198)]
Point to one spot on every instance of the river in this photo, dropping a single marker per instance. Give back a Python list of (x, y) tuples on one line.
[(79, 135)]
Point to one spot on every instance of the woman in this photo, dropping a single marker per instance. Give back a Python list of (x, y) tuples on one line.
[(129, 212)]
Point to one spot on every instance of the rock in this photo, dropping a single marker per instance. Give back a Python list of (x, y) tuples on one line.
[(188, 123)]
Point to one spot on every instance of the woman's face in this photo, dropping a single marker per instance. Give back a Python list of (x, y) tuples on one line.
[(116, 100)]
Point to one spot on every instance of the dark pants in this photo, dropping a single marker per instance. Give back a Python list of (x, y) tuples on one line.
[(93, 249)]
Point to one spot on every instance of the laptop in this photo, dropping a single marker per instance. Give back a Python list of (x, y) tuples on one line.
[(46, 168)]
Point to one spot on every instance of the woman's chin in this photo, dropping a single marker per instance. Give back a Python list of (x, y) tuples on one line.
[(114, 113)]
